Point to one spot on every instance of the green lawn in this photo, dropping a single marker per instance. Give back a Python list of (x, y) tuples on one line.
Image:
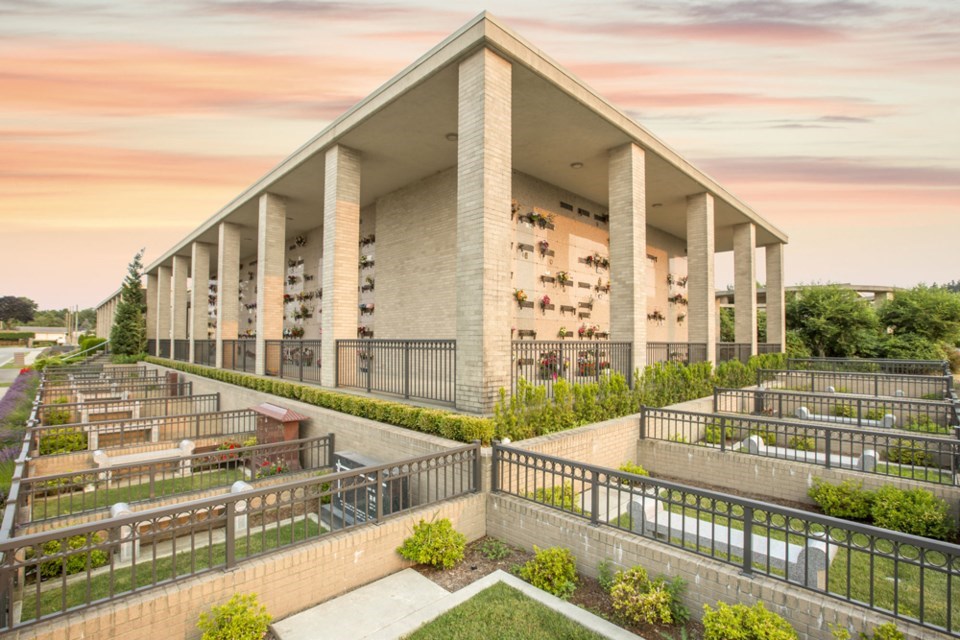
[(501, 612), (915, 473), (147, 573), (79, 501)]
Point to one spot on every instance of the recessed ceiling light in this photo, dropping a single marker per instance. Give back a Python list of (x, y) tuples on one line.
[(452, 137), (576, 165)]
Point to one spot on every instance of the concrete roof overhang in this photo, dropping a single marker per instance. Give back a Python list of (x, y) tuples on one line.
[(401, 128)]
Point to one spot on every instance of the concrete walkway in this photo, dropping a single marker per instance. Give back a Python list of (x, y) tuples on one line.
[(398, 605)]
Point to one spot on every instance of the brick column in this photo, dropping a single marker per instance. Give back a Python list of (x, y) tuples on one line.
[(701, 310), (341, 256), (628, 250), (152, 309), (178, 301), (271, 243), (200, 275), (163, 305), (228, 289), (484, 231), (776, 309), (745, 284)]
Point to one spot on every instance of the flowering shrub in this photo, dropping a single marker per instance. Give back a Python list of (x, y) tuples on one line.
[(268, 468)]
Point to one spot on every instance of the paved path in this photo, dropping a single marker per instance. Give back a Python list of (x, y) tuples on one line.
[(399, 604)]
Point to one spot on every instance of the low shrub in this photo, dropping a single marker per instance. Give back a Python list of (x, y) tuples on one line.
[(605, 575), (908, 452), (740, 622), (437, 544), (635, 469), (75, 563), (886, 631), (845, 500), (714, 434), (843, 410), (638, 599), (493, 549), (16, 335), (915, 511), (801, 443), (557, 496), (553, 569), (119, 358), (62, 441), (242, 618)]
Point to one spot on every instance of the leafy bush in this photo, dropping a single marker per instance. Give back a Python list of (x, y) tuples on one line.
[(242, 618), (554, 570), (635, 469), (801, 443), (845, 500), (886, 631), (605, 575), (437, 544), (740, 622), (62, 441), (493, 549), (908, 452), (714, 434), (557, 496), (118, 358), (90, 342), (915, 511), (843, 411), (638, 599), (16, 335), (75, 563)]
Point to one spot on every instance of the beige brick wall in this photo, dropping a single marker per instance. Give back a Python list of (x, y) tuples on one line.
[(666, 256), (700, 263), (151, 307), (776, 308), (163, 303), (286, 582), (745, 284), (228, 288), (178, 297), (271, 275), (522, 523), (416, 255), (628, 230)]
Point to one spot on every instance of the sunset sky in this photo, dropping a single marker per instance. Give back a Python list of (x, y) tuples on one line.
[(126, 124)]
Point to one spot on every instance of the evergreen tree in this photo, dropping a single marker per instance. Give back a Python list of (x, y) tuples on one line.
[(129, 333)]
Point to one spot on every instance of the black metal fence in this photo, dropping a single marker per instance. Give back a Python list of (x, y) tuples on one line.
[(682, 352), (293, 359), (49, 439), (543, 362), (924, 416), (205, 352), (888, 453), (769, 347), (181, 350), (122, 555), (869, 384), (102, 380), (146, 407), (734, 351), (421, 369), (60, 376), (163, 349), (126, 390), (152, 347), (240, 355), (873, 365), (93, 491), (906, 576)]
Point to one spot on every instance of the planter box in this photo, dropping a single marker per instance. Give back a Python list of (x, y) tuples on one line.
[(547, 307), (525, 247), (526, 304), (547, 279)]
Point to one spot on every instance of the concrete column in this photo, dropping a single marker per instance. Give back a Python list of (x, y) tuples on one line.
[(701, 309), (200, 275), (228, 289), (628, 254), (163, 305), (745, 284), (776, 308), (271, 245), (341, 255), (484, 231), (178, 301)]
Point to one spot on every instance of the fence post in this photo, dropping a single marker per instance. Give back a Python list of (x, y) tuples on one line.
[(336, 364), (827, 446), (231, 534), (859, 412), (643, 422), (379, 496), (369, 366), (748, 540), (477, 467), (406, 369), (303, 353), (594, 497), (331, 447), (495, 466), (876, 385), (716, 394)]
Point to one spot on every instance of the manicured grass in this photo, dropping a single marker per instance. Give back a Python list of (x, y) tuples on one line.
[(78, 501), (501, 612), (915, 473), (125, 580)]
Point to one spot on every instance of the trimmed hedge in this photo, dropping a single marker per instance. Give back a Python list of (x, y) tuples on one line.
[(17, 335), (446, 424)]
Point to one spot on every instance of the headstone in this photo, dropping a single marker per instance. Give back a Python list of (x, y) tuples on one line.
[(129, 543), (868, 460), (803, 413), (241, 518), (831, 390), (755, 445), (898, 393), (889, 421), (351, 506)]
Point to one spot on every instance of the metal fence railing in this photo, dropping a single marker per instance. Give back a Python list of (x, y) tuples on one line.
[(102, 380), (420, 369), (181, 350), (240, 355), (873, 365), (682, 352), (294, 359), (543, 362), (152, 347), (205, 352), (95, 410), (93, 491), (163, 349), (882, 452), (56, 376), (734, 351), (123, 389), (924, 416), (909, 577), (50, 439), (769, 347), (133, 552), (869, 384)]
